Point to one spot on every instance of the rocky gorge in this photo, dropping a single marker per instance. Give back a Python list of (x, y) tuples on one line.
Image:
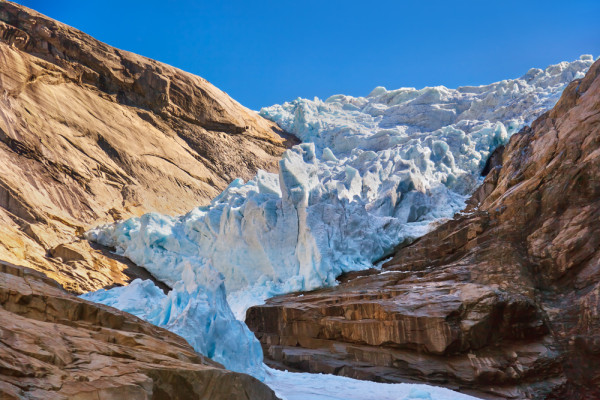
[(500, 301)]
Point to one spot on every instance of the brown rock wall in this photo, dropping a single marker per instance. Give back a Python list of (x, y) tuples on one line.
[(502, 301), (56, 346), (90, 134)]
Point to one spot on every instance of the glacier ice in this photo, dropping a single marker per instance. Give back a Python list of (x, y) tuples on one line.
[(303, 228), (372, 172), (197, 310), (386, 118)]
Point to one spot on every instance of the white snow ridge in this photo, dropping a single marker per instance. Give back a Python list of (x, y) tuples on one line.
[(371, 173)]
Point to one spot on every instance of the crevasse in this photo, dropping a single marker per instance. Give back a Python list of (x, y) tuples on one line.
[(372, 172)]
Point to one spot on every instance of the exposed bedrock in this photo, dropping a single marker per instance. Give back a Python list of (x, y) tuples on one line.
[(90, 134), (503, 301), (56, 346)]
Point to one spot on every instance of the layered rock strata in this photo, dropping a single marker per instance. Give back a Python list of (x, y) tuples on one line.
[(91, 134), (502, 301), (54, 345)]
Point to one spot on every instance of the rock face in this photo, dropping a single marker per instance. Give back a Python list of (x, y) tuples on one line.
[(503, 301), (54, 345), (90, 134)]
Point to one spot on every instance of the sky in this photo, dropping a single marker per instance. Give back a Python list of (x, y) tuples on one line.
[(267, 52)]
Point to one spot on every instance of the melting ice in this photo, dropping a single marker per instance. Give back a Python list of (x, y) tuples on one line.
[(372, 172)]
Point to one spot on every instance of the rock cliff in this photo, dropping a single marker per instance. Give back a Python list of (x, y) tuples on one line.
[(57, 346), (502, 301), (90, 134)]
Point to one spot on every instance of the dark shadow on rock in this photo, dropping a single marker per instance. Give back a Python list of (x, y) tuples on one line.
[(133, 270)]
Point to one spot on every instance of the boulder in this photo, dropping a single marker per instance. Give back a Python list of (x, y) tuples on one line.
[(54, 345)]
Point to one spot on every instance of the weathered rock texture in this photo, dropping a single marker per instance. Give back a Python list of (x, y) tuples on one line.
[(90, 133), (502, 301), (54, 345)]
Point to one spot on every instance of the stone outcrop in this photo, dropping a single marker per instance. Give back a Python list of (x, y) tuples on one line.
[(90, 134), (56, 346), (503, 301)]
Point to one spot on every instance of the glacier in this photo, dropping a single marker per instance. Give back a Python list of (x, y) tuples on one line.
[(385, 118), (197, 310), (372, 172)]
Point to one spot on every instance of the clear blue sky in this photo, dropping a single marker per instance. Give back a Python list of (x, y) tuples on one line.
[(266, 52)]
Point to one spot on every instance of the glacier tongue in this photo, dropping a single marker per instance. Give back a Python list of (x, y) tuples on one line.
[(373, 172), (195, 309)]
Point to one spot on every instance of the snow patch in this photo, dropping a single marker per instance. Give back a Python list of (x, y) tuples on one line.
[(303, 386)]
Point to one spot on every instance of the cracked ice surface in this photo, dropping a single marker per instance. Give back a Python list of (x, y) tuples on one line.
[(195, 309), (373, 172), (385, 118)]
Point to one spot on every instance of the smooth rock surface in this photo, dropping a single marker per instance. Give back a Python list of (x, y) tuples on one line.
[(501, 301), (56, 346), (90, 134)]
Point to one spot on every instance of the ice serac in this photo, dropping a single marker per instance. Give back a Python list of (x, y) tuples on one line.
[(502, 300), (197, 310), (332, 210), (386, 118), (56, 346), (337, 209), (91, 134)]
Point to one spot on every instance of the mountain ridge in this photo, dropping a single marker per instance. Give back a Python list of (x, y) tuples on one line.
[(90, 134)]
